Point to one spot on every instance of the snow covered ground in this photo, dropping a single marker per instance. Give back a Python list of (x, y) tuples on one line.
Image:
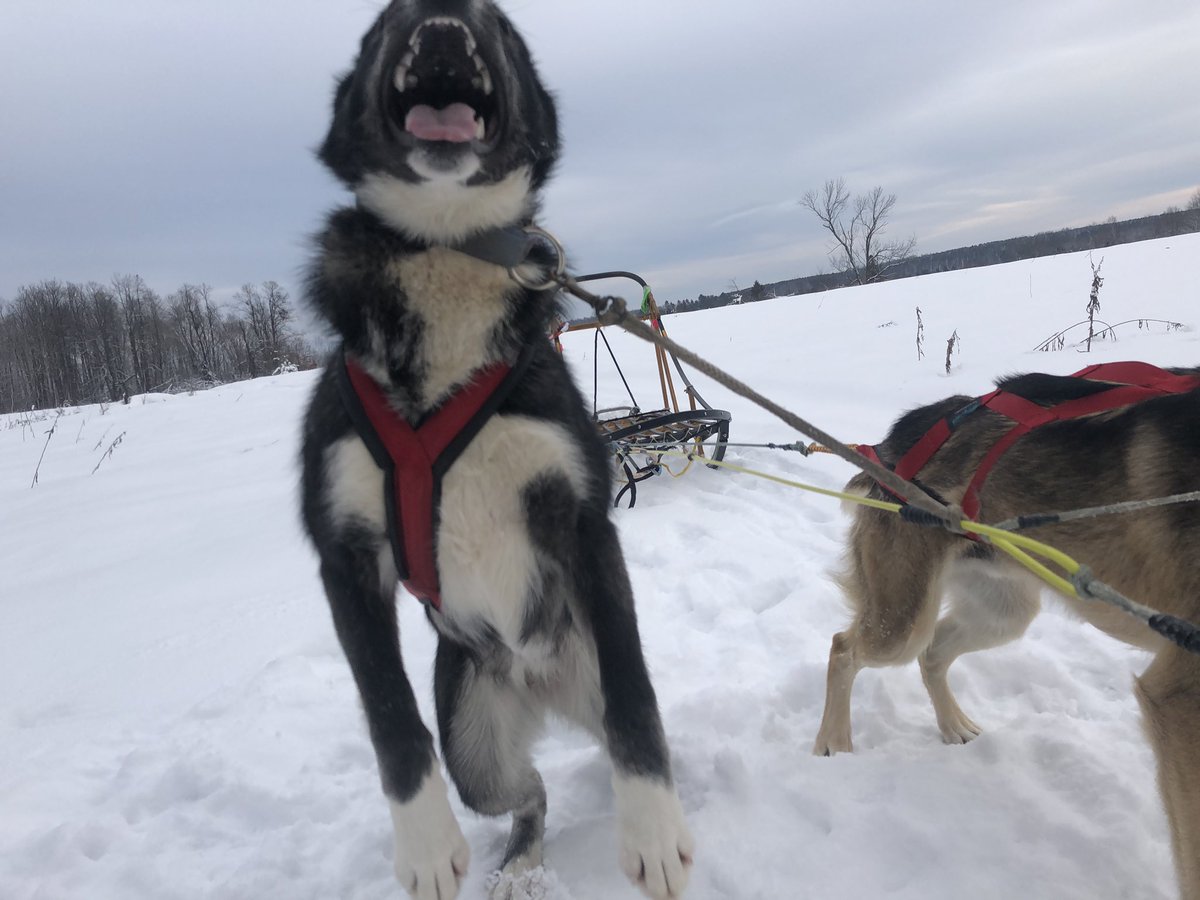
[(177, 721)]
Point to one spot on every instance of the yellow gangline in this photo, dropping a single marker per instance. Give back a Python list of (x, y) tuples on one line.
[(1018, 546)]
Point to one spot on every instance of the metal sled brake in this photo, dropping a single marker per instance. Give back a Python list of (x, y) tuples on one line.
[(635, 433)]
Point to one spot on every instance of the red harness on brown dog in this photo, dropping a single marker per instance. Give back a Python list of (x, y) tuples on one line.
[(415, 459), (1132, 382)]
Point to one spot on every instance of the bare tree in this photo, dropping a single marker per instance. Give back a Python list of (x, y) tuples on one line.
[(279, 313), (196, 321), (142, 312), (254, 328), (266, 338), (1192, 208), (103, 347), (857, 225), (64, 344)]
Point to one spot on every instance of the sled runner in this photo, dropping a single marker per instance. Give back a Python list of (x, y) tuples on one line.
[(633, 432)]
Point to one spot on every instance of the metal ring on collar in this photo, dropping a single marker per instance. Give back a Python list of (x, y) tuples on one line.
[(560, 265)]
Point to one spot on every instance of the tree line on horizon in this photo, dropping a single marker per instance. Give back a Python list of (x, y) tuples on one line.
[(66, 344), (904, 264)]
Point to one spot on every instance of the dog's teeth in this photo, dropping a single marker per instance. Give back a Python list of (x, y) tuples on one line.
[(483, 79), (480, 128), (404, 78), (415, 40)]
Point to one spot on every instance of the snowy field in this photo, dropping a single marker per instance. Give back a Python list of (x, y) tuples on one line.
[(177, 721)]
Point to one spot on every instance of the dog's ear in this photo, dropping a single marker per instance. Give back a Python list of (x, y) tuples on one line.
[(338, 149), (342, 148), (538, 109), (343, 90), (547, 153)]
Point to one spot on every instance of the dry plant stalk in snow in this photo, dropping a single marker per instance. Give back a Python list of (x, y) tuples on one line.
[(1093, 306), (951, 346)]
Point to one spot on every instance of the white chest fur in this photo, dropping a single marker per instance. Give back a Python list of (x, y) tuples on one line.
[(460, 301), (487, 563)]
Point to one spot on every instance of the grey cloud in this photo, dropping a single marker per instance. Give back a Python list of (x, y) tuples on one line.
[(175, 139)]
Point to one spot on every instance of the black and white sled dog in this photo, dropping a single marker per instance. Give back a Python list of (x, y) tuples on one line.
[(445, 135)]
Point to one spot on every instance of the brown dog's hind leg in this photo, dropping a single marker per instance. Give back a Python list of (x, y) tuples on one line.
[(1169, 692), (991, 606), (892, 580), (834, 736)]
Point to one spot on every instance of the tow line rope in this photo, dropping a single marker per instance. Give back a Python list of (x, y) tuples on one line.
[(1080, 582), (1016, 523), (612, 311), (1037, 520), (921, 508)]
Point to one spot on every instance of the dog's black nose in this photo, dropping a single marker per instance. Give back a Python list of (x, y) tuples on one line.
[(459, 8)]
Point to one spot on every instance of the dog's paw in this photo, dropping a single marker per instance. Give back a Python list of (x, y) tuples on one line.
[(655, 845), (831, 741), (431, 852), (958, 729)]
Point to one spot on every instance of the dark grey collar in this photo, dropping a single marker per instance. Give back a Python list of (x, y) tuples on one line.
[(507, 247)]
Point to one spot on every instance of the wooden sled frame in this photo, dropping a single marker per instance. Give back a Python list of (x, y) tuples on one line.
[(633, 433)]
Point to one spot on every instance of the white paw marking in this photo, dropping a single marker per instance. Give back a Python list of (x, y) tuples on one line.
[(431, 853), (654, 843)]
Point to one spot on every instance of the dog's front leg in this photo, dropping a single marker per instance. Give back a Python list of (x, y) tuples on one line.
[(431, 853), (655, 844)]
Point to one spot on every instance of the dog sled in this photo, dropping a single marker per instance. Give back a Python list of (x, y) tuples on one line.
[(638, 435)]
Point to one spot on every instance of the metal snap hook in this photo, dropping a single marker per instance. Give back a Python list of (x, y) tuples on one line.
[(559, 270)]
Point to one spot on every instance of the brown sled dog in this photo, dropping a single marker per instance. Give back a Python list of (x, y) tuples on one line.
[(895, 574)]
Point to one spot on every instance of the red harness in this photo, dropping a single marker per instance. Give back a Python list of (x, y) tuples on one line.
[(415, 459), (1133, 382)]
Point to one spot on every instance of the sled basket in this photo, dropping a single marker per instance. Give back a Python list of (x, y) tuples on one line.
[(635, 434)]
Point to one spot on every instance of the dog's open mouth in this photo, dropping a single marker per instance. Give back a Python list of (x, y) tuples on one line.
[(443, 88)]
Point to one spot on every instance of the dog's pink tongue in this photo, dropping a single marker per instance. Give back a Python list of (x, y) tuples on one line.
[(455, 123)]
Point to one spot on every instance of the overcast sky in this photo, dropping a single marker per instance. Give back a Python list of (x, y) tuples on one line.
[(173, 138)]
